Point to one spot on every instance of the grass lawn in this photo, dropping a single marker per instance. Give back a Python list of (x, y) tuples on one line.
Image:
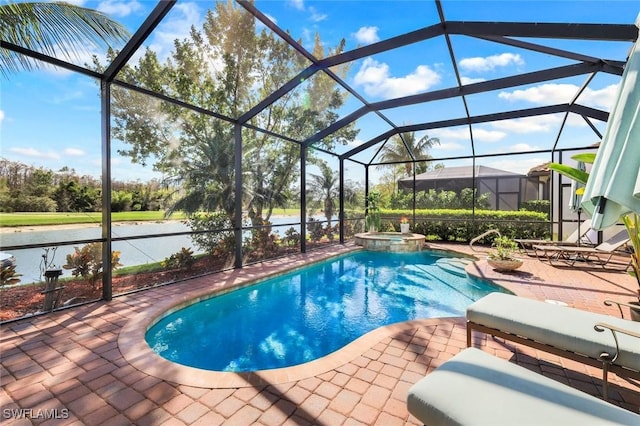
[(34, 219)]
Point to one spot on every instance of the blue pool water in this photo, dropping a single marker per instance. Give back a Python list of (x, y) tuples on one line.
[(309, 313)]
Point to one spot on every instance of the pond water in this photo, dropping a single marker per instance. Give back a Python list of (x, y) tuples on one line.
[(132, 252)]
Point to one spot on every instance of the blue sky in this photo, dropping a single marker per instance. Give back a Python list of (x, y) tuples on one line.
[(50, 118)]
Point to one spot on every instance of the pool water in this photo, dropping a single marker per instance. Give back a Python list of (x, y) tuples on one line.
[(309, 313)]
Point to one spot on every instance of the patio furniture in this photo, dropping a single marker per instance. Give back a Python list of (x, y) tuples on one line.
[(571, 254), (579, 235), (560, 330), (475, 388)]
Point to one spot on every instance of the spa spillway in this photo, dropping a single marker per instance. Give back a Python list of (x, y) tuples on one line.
[(390, 241)]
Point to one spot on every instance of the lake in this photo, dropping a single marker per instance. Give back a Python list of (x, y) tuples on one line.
[(132, 252)]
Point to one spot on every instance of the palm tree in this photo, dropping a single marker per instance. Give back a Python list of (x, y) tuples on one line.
[(396, 151), (323, 187), (55, 29)]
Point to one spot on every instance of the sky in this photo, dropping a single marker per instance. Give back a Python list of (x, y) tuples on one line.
[(51, 118)]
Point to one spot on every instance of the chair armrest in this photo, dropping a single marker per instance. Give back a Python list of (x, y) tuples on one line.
[(602, 326), (620, 305)]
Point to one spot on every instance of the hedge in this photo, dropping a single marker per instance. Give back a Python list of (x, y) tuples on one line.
[(464, 225)]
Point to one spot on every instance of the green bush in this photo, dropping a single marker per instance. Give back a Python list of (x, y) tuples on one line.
[(291, 238), (542, 206), (26, 203), (315, 229), (207, 238), (86, 262), (464, 225), (179, 260)]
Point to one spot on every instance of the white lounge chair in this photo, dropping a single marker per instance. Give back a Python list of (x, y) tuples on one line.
[(580, 234), (475, 388), (570, 254)]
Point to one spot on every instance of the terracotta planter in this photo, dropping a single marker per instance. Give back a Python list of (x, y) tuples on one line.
[(504, 265)]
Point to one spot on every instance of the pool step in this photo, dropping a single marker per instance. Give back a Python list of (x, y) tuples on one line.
[(454, 265)]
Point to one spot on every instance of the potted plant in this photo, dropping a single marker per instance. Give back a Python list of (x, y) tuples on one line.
[(632, 222), (502, 256), (372, 219), (404, 225)]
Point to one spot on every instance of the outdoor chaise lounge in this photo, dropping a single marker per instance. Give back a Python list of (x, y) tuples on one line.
[(571, 254), (604, 341), (475, 388), (580, 234)]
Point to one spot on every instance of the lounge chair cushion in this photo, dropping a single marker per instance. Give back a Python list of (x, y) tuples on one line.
[(560, 326), (475, 388)]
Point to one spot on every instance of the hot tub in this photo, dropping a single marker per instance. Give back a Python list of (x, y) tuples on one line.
[(390, 241)]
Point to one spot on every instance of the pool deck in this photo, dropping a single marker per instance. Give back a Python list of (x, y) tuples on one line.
[(83, 363)]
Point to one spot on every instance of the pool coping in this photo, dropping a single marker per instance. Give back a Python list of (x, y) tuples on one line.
[(136, 351)]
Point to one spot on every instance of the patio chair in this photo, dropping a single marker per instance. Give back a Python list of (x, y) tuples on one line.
[(580, 234), (560, 330), (572, 254), (475, 388)]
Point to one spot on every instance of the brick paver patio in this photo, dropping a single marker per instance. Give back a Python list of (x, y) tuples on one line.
[(69, 363)]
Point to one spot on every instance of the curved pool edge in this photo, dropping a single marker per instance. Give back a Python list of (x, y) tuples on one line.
[(136, 351)]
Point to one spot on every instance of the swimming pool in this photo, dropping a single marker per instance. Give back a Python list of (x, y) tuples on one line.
[(306, 314)]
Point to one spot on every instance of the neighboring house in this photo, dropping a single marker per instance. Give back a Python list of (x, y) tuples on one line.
[(506, 190), (543, 174)]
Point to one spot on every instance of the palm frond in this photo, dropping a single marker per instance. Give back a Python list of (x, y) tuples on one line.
[(57, 29), (587, 157), (571, 172)]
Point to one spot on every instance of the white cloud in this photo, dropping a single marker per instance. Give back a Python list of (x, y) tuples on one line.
[(489, 63), (563, 93), (376, 80), (316, 16), (469, 80), (448, 146), (69, 96), (119, 8), (297, 4), (367, 35), (484, 135), (34, 153), (522, 147), (1, 116), (522, 165), (74, 152), (542, 123), (479, 134), (183, 16)]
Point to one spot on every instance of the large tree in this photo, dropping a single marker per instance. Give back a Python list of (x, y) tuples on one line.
[(226, 67), (56, 29)]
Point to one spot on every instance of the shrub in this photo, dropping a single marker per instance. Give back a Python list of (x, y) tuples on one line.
[(291, 237), (464, 225), (213, 242), (9, 276), (86, 262), (315, 229), (542, 206), (179, 260), (27, 203)]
